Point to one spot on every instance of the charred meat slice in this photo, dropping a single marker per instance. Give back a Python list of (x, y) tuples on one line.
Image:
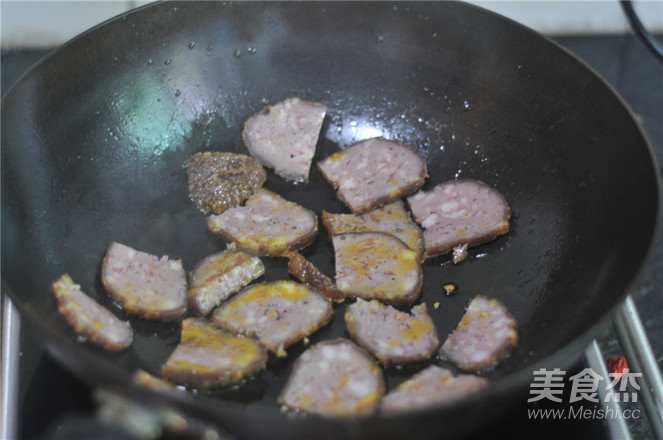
[(210, 357), (283, 136), (143, 284), (218, 181), (484, 336), (278, 314), (374, 265), (432, 386), (391, 219), (89, 318), (308, 274), (374, 172), (459, 212), (218, 276), (390, 335), (334, 378), (266, 225)]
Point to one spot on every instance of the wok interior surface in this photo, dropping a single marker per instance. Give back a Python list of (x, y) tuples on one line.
[(95, 137)]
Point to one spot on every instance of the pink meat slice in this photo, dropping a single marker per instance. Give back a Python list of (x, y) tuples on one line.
[(390, 335), (374, 265), (210, 357), (485, 335), (335, 379), (283, 136), (89, 318), (432, 386), (143, 284), (374, 172), (458, 213), (216, 277), (266, 225), (278, 314), (391, 219)]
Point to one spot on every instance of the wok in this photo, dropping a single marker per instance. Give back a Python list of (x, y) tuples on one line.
[(95, 136)]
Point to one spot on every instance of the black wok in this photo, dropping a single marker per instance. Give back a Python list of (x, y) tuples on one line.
[(94, 138)]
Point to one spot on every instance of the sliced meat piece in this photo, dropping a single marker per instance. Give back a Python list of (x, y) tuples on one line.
[(484, 336), (308, 274), (266, 225), (143, 284), (374, 265), (210, 357), (459, 212), (390, 335), (432, 386), (391, 219), (278, 314), (89, 318), (374, 172), (218, 276), (283, 136), (146, 380), (218, 181), (334, 378)]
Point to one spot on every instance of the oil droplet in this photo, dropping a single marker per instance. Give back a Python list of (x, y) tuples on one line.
[(237, 53), (251, 50), (167, 61), (192, 45), (466, 105)]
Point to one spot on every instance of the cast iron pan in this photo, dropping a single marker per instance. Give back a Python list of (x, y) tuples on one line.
[(95, 136)]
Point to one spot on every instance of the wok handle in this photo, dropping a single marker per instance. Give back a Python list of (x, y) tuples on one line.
[(634, 342)]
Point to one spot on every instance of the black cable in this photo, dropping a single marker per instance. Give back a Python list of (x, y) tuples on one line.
[(641, 31)]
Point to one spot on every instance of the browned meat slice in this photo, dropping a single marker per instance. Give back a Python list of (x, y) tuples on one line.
[(308, 274), (266, 225), (143, 284), (391, 219), (374, 265), (334, 378), (374, 172), (89, 318), (432, 386), (283, 136), (278, 314), (459, 212), (218, 181), (218, 276), (390, 335), (210, 357), (484, 336)]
